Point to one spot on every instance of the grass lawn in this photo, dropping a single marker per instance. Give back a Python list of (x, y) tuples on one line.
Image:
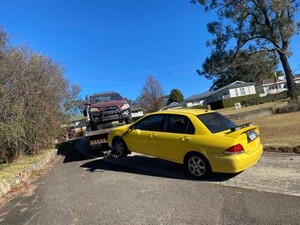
[(10, 169), (232, 110), (279, 129)]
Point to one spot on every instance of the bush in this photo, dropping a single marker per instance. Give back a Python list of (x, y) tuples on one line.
[(198, 107), (230, 102), (32, 92), (291, 107), (268, 98)]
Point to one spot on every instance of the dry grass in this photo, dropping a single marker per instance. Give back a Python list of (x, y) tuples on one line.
[(228, 111), (8, 170), (279, 130)]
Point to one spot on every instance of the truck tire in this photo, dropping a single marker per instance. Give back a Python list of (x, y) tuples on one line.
[(93, 126)]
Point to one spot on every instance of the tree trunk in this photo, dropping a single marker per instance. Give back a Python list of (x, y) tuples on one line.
[(289, 78)]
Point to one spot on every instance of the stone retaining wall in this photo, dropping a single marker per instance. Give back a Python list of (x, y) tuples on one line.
[(7, 184)]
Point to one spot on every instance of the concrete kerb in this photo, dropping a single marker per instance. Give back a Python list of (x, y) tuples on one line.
[(7, 184)]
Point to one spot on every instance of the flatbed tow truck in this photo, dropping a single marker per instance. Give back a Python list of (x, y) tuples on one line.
[(98, 138), (103, 112)]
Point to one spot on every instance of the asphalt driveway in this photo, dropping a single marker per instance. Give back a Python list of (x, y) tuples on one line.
[(84, 189), (275, 172)]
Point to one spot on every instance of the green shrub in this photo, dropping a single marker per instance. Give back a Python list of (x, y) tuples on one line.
[(268, 98), (230, 102), (198, 107)]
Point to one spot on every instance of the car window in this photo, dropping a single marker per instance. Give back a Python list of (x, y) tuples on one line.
[(216, 122), (106, 97), (151, 123), (179, 124)]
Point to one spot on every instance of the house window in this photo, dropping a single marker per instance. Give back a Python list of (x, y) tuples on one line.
[(243, 91), (236, 92)]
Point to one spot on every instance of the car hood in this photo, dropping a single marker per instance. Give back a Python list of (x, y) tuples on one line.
[(118, 103)]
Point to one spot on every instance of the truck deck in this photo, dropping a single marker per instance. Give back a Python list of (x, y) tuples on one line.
[(98, 138)]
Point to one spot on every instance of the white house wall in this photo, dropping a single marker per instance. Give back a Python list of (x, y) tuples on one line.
[(242, 91)]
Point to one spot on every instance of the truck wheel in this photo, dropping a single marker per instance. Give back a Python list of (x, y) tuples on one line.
[(119, 147), (93, 126)]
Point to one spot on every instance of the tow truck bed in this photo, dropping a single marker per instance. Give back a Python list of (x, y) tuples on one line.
[(98, 138)]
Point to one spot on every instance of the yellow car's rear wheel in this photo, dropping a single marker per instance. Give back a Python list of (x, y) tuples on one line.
[(197, 166)]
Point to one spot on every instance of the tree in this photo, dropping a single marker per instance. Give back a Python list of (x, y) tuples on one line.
[(73, 105), (254, 26), (175, 96), (33, 91), (152, 95), (223, 70)]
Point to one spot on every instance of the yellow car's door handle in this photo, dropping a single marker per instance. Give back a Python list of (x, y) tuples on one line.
[(153, 135), (185, 138)]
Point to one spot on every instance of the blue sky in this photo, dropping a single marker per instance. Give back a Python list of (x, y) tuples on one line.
[(115, 44)]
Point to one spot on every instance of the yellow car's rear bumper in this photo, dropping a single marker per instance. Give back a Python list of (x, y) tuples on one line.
[(235, 163)]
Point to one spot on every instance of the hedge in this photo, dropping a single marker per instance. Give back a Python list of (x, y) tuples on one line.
[(230, 102), (268, 98)]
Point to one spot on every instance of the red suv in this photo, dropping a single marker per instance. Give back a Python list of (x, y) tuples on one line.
[(106, 107)]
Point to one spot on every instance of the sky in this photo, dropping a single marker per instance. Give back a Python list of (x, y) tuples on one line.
[(113, 45)]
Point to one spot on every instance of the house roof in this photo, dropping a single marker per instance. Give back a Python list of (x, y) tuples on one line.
[(204, 95), (236, 84), (172, 105), (199, 96), (279, 80)]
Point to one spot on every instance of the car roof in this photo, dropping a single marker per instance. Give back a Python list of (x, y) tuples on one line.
[(184, 111)]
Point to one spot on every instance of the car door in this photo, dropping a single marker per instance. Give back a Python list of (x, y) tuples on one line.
[(174, 141), (143, 137)]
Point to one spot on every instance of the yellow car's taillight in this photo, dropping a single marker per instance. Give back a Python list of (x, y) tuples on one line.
[(236, 149)]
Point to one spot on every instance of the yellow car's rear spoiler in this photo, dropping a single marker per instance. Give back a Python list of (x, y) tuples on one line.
[(244, 128)]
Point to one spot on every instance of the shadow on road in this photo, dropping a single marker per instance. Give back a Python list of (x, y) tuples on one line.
[(77, 150), (149, 166)]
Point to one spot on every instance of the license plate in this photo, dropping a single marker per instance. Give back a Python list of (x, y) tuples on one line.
[(252, 135)]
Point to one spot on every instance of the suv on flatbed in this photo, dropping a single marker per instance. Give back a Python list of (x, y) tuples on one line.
[(106, 107)]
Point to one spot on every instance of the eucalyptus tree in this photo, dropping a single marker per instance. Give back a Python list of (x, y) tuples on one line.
[(254, 26)]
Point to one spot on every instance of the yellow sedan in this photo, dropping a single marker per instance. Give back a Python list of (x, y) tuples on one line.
[(204, 141)]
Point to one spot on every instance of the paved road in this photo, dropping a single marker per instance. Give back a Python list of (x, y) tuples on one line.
[(82, 189)]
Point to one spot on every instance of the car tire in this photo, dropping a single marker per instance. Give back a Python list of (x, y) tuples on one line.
[(197, 166), (119, 147)]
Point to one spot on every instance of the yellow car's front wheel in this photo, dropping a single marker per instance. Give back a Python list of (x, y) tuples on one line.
[(119, 147), (197, 166)]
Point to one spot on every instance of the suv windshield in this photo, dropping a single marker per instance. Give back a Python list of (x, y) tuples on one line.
[(106, 97), (216, 122)]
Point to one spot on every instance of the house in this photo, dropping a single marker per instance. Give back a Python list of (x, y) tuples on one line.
[(173, 105), (137, 112), (197, 99), (235, 89), (274, 86)]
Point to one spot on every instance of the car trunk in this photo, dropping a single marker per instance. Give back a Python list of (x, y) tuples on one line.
[(249, 135)]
